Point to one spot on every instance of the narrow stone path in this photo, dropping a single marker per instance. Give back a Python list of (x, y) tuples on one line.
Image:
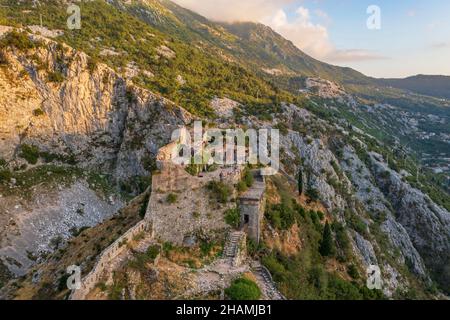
[(232, 245), (266, 283)]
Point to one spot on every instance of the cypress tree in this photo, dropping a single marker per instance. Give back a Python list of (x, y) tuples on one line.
[(326, 246), (300, 182)]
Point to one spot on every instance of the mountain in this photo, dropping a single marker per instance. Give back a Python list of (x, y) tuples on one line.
[(86, 118), (436, 86)]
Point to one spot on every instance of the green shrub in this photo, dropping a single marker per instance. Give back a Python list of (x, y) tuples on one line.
[(357, 224), (206, 247), (353, 271), (284, 130), (142, 259), (320, 215), (167, 247), (318, 277), (92, 64), (3, 59), (232, 217), (248, 178), (242, 186), (243, 289), (277, 269), (5, 175), (172, 198), (29, 153), (38, 112), (342, 240), (18, 40), (313, 194), (219, 190), (56, 77)]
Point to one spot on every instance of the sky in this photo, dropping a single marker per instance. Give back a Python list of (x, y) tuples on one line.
[(413, 35)]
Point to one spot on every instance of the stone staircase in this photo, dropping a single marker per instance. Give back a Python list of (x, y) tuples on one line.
[(265, 281), (231, 249)]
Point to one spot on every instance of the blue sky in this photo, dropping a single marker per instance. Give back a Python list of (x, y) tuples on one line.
[(414, 37)]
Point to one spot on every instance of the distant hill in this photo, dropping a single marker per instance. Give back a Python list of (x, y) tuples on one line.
[(436, 86)]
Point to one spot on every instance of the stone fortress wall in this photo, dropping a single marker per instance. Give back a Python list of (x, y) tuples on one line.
[(174, 222), (105, 259)]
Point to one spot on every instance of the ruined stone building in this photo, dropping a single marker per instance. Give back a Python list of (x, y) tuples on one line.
[(251, 206)]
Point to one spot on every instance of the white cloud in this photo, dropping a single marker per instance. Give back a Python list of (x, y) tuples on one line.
[(313, 38), (310, 37), (234, 10)]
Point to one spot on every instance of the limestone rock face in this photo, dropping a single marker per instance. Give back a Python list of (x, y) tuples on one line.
[(374, 201), (427, 224), (91, 113)]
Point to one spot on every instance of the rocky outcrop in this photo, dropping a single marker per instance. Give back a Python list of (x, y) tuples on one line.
[(427, 224), (86, 110), (375, 203)]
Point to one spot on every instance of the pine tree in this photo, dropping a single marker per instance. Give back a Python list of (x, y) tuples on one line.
[(327, 246)]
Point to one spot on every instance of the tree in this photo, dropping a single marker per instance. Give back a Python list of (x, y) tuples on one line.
[(326, 245), (300, 182)]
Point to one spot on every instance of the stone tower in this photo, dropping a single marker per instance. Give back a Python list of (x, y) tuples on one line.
[(252, 206)]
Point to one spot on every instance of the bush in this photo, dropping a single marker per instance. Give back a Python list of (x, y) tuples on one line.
[(219, 190), (318, 277), (242, 186), (342, 239), (320, 215), (172, 198), (56, 77), (142, 259), (18, 40), (232, 217), (353, 271), (5, 175), (284, 130), (3, 59), (92, 64), (38, 112), (343, 290), (313, 194), (29, 153), (243, 289), (277, 269), (248, 178)]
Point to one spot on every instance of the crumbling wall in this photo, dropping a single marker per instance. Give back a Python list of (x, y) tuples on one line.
[(105, 259)]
